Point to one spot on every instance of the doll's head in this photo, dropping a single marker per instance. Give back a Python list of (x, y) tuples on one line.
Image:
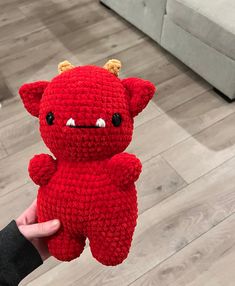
[(86, 113)]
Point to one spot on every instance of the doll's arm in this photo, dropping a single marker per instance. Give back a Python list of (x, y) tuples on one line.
[(41, 168), (124, 169)]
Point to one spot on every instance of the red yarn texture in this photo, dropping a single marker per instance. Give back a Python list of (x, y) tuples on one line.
[(89, 186)]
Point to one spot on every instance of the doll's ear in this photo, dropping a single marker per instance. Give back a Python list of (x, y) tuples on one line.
[(140, 92), (31, 94)]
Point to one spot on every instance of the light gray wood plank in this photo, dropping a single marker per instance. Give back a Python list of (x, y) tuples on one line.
[(10, 16), (157, 181), (179, 89), (164, 69), (49, 12), (31, 37), (107, 46), (133, 62), (3, 152), (20, 134), (201, 112), (205, 151), (70, 3), (150, 112), (5, 91), (11, 110), (49, 54), (155, 136), (18, 73), (162, 231), (59, 32), (91, 33), (5, 5), (14, 168), (209, 261), (155, 66), (25, 28)]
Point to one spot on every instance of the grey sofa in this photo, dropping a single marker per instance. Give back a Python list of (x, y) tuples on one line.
[(201, 33)]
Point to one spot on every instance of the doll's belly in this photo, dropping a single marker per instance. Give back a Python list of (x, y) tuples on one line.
[(78, 202)]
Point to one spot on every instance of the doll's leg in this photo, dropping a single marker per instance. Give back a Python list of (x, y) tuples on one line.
[(110, 242), (64, 247)]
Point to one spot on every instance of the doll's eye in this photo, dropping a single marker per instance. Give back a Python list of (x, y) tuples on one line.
[(116, 119), (50, 118)]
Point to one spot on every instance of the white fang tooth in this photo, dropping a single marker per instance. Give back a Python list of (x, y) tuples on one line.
[(100, 122), (70, 122)]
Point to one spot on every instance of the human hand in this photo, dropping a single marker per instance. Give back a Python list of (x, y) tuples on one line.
[(35, 232)]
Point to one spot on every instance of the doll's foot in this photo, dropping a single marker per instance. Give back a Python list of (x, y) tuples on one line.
[(111, 246), (65, 248)]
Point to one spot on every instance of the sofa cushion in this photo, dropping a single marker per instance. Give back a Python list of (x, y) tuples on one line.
[(147, 15), (212, 21)]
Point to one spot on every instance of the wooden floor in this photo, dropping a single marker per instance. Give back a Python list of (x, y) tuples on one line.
[(185, 139)]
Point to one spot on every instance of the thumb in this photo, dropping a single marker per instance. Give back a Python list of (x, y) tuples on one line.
[(38, 230)]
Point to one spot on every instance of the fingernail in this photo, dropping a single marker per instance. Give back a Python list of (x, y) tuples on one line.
[(55, 222)]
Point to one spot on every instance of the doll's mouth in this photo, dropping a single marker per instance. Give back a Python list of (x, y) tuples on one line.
[(100, 123), (84, 126)]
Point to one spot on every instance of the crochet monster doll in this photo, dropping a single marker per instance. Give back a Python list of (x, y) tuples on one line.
[(86, 120)]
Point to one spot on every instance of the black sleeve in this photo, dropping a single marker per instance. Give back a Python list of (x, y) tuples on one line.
[(18, 257)]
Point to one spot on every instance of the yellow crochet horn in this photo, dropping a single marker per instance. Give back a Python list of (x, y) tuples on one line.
[(113, 66), (64, 66)]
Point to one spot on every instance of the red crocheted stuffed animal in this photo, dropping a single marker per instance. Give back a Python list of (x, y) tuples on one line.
[(86, 120)]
